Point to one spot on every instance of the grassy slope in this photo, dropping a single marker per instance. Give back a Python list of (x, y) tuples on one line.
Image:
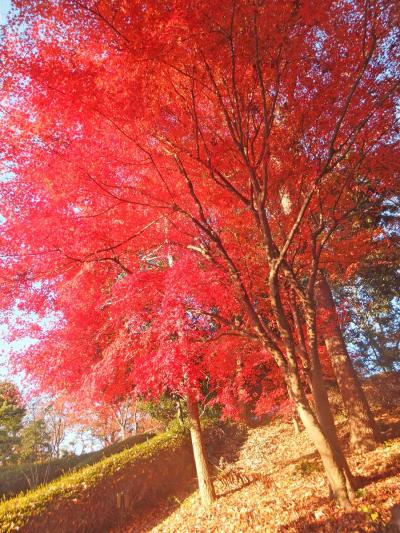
[(23, 477), (17, 512)]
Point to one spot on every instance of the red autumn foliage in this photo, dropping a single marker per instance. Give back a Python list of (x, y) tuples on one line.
[(178, 173)]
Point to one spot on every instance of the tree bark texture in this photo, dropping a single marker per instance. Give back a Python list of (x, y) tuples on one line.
[(326, 448), (364, 434), (334, 470), (206, 487)]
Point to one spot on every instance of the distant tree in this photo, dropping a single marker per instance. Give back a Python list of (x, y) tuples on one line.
[(371, 307), (35, 444), (12, 411), (56, 422), (109, 420)]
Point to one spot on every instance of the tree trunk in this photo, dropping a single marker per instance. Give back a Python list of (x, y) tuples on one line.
[(297, 423), (327, 423), (135, 419), (364, 434), (321, 401), (333, 469), (206, 487), (179, 412), (242, 407)]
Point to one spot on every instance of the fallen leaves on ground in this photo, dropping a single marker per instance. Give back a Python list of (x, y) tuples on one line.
[(287, 492)]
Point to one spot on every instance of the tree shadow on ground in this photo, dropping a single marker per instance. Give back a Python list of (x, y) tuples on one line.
[(243, 481), (391, 469), (225, 442), (145, 517), (344, 523), (221, 442), (312, 456), (390, 428)]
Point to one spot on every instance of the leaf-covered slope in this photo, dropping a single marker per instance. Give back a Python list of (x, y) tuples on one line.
[(286, 491)]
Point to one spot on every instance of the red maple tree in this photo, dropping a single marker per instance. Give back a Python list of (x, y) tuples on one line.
[(153, 145)]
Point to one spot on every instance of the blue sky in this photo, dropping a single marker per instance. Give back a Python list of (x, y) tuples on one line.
[(5, 347), (4, 8)]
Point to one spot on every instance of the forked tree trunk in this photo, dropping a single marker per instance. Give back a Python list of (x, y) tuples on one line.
[(206, 487), (333, 468), (364, 434)]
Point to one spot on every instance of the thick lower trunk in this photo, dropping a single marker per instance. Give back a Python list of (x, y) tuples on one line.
[(320, 396), (334, 470), (364, 434), (327, 423), (206, 487)]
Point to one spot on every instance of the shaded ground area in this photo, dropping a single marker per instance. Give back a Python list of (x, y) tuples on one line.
[(284, 489), (224, 442)]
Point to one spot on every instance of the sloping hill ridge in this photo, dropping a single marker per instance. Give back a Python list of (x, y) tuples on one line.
[(24, 477), (98, 497)]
